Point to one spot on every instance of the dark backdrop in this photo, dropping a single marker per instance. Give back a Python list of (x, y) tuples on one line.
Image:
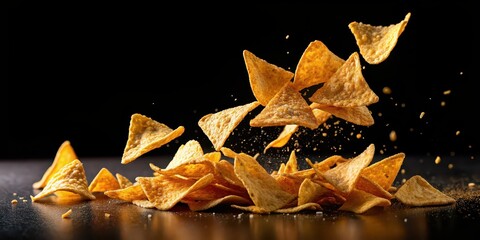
[(77, 71)]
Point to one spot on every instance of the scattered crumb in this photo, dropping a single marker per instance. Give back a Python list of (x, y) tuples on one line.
[(422, 114), (14, 194), (14, 201), (386, 90), (447, 92), (67, 213), (393, 136), (438, 160), (471, 185), (107, 215)]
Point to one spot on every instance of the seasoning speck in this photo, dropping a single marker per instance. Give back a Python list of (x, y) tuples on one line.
[(422, 114), (14, 201)]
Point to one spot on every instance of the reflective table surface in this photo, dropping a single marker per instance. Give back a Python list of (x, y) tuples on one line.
[(105, 218)]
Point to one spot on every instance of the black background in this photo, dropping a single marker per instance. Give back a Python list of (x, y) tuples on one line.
[(78, 71)]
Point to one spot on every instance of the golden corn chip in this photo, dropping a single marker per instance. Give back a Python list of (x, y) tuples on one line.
[(306, 206), (185, 153), (344, 176), (213, 156), (287, 107), (65, 154), (320, 115), (146, 134), (265, 78), (282, 139), (377, 42), (418, 192), (230, 199), (103, 181), (327, 163), (360, 115), (264, 190), (228, 152), (193, 170), (310, 192), (226, 170), (359, 202), (316, 66), (367, 185), (289, 183), (385, 171), (347, 87), (165, 191), (128, 194), (218, 126), (69, 180), (123, 181), (292, 164)]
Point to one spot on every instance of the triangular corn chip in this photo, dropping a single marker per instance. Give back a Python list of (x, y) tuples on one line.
[(292, 164), (65, 154), (265, 78), (360, 201), (310, 191), (287, 107), (70, 179), (360, 115), (347, 87), (218, 126), (129, 194), (377, 42), (316, 66), (344, 176), (123, 181), (385, 171), (264, 190), (146, 134), (282, 139), (185, 153), (418, 192), (103, 181)]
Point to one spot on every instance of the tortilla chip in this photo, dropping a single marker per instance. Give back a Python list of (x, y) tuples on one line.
[(218, 126), (165, 191), (185, 153), (128, 194), (418, 192), (264, 190), (292, 164), (287, 107), (146, 134), (346, 88), (385, 171), (345, 175), (367, 185), (265, 78), (123, 181), (316, 65), (320, 115), (310, 192), (359, 202), (69, 180), (377, 42), (65, 154), (103, 181), (282, 139), (360, 115)]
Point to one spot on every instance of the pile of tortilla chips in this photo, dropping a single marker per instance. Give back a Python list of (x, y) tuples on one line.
[(203, 180)]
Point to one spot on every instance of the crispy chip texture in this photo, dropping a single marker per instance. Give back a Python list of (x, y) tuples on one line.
[(185, 153), (316, 65), (385, 171), (265, 192), (218, 126), (123, 181), (70, 178), (347, 87), (360, 115), (146, 134), (377, 42), (417, 191), (287, 107), (64, 155), (129, 194), (265, 78), (360, 201), (103, 181)]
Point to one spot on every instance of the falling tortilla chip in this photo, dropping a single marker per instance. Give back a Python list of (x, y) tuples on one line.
[(69, 180), (265, 192), (186, 152), (360, 201), (418, 192), (377, 42), (347, 87), (146, 134), (103, 181), (65, 154), (265, 78), (360, 115), (123, 181), (385, 171), (218, 126), (128, 194), (287, 107), (344, 176), (316, 66), (165, 191), (283, 138)]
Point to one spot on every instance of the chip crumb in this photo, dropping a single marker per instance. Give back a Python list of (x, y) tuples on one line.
[(107, 215), (14, 201), (67, 213), (14, 194), (387, 90), (359, 135), (443, 103), (438, 160), (457, 133), (25, 200), (450, 166), (447, 92), (471, 185), (422, 114), (393, 136)]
